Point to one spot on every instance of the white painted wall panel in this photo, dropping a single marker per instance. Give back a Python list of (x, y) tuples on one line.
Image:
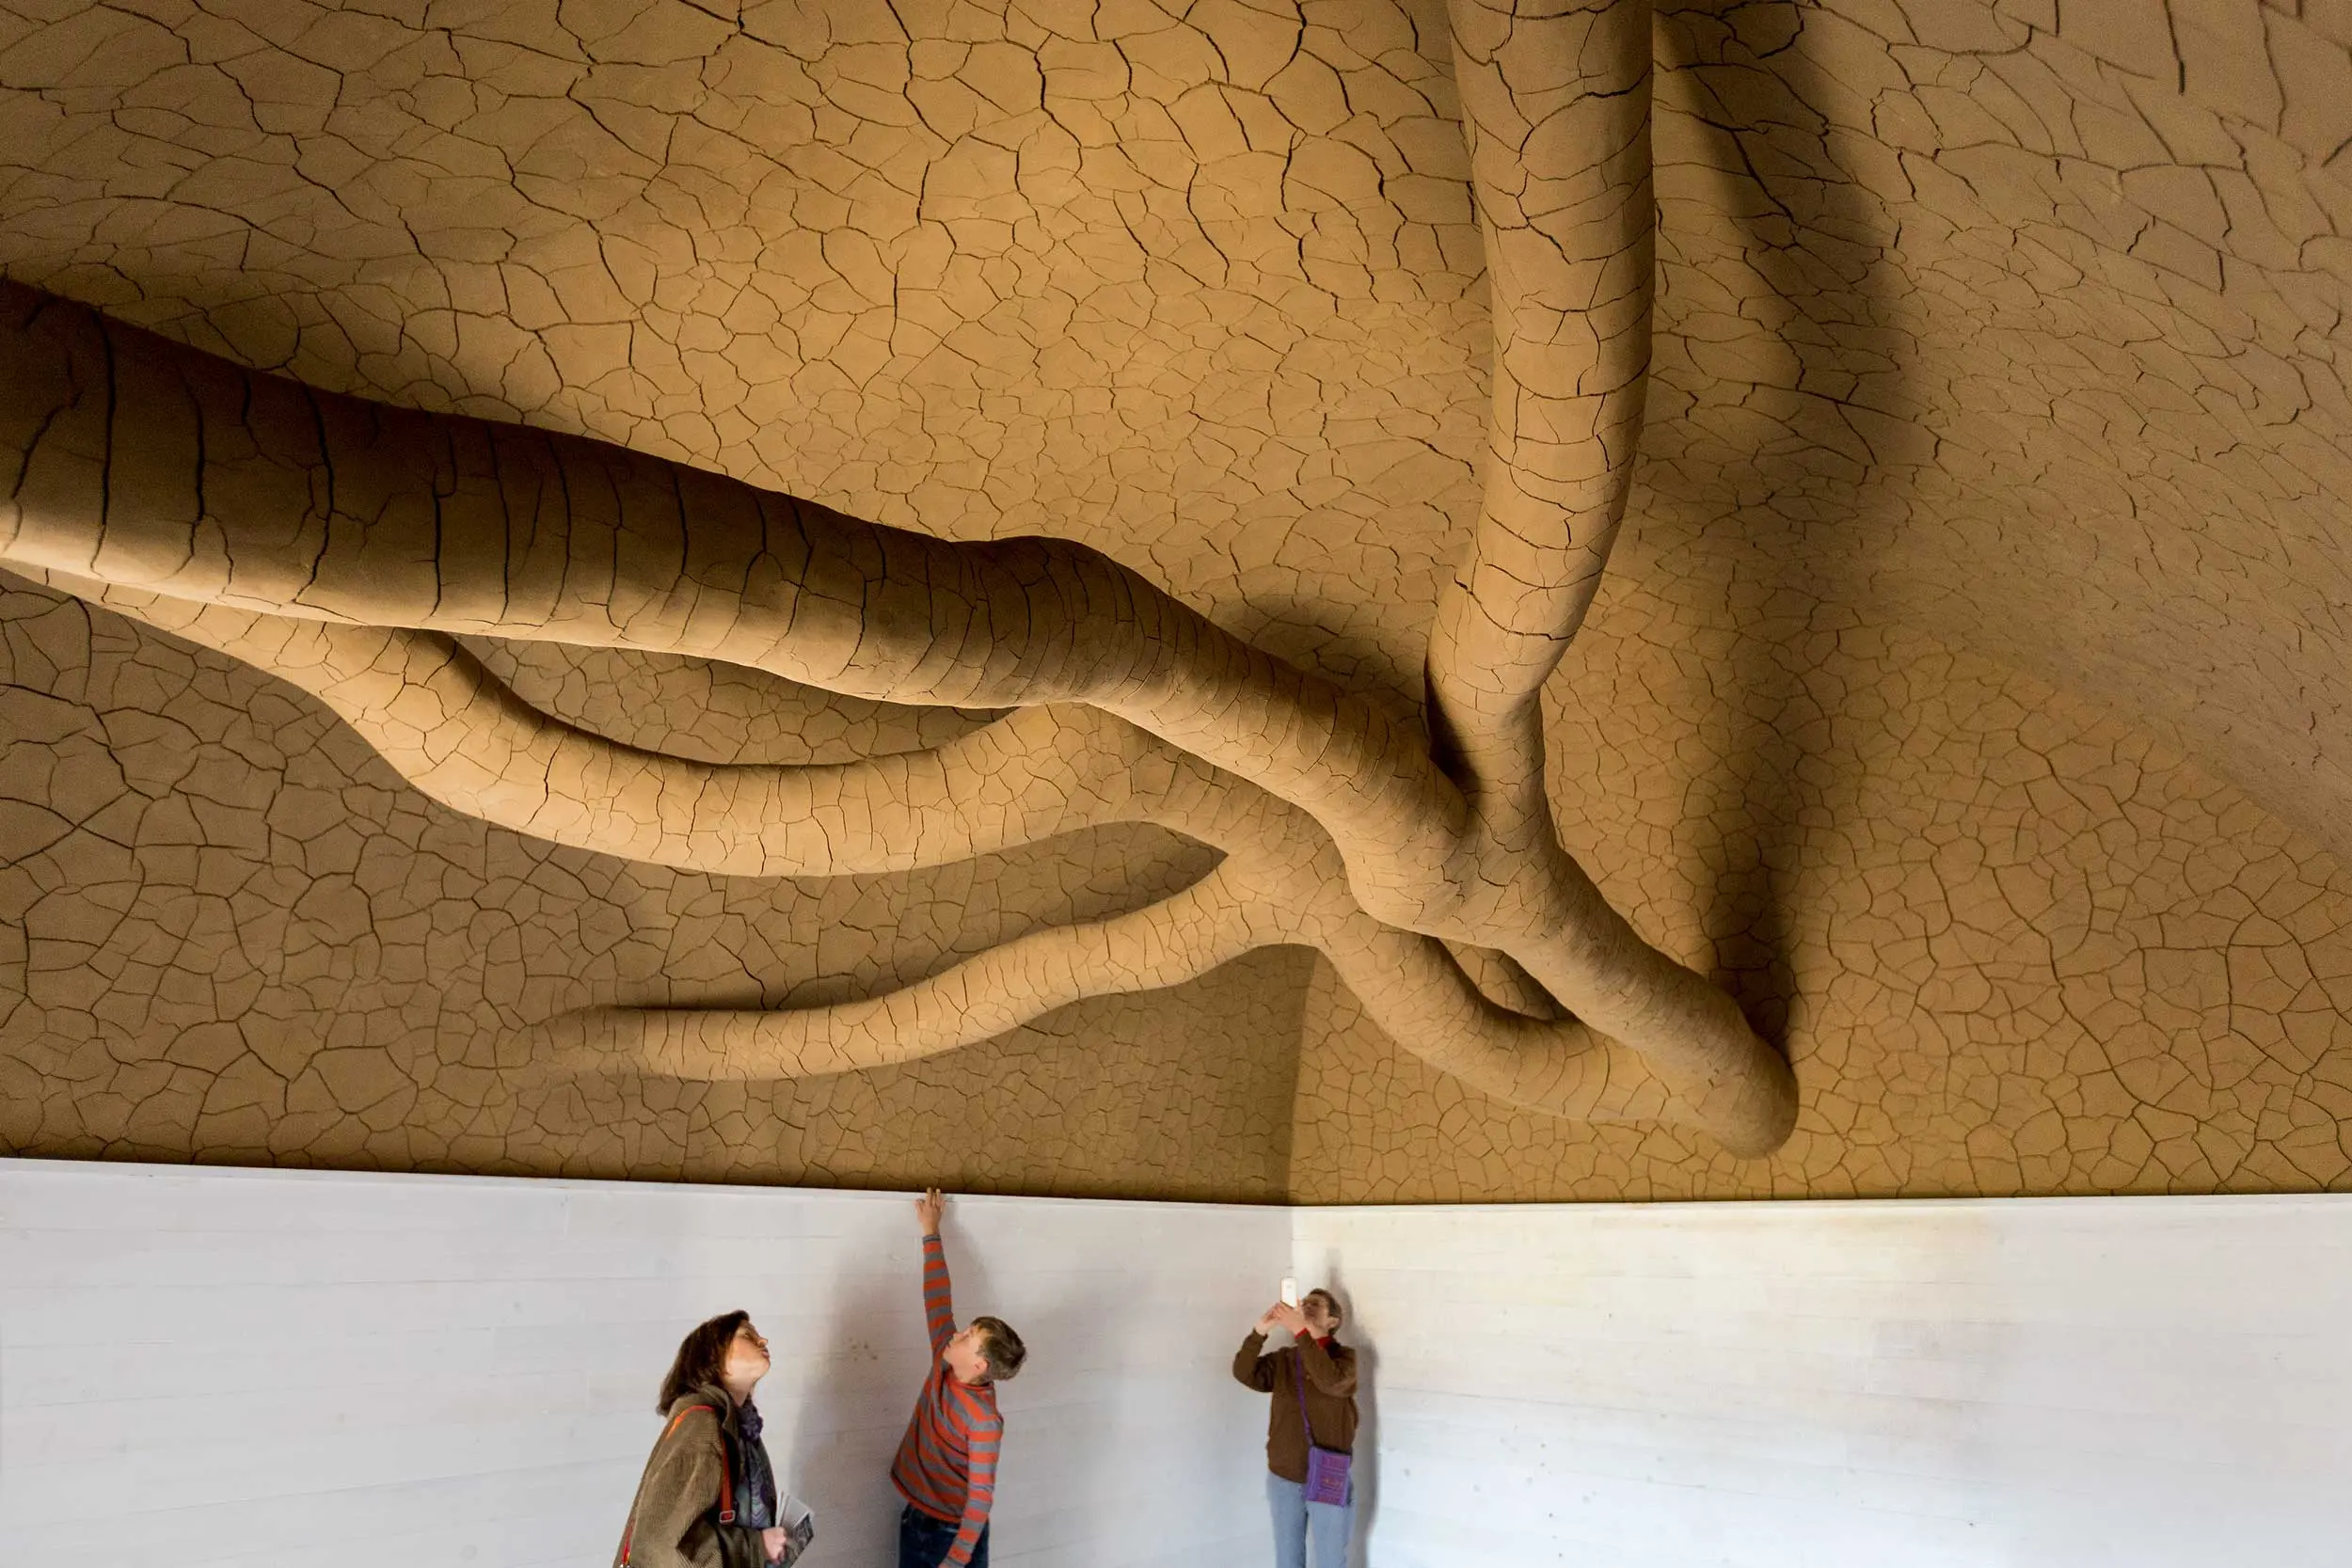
[(283, 1368), (2059, 1383)]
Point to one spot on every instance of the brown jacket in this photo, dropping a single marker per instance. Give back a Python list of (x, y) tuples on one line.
[(1330, 1399), (673, 1522)]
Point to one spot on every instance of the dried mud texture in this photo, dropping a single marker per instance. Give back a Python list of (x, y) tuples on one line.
[(1196, 291), (2018, 947), (715, 713), (2030, 322), (340, 545), (2025, 324), (229, 932), (2017, 325)]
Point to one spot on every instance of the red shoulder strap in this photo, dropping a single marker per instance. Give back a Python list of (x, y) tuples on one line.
[(726, 1480)]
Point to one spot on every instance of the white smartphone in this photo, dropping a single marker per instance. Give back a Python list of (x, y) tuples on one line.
[(1290, 1292)]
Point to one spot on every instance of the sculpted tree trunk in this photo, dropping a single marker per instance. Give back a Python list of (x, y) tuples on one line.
[(343, 546)]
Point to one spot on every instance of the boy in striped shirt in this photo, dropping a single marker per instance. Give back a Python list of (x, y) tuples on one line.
[(946, 1463)]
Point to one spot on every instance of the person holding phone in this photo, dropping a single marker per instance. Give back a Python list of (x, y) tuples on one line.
[(1313, 1379), (709, 1497), (946, 1463)]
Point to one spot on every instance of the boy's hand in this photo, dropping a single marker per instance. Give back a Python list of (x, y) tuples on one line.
[(928, 1209), (1269, 1320), (1291, 1319)]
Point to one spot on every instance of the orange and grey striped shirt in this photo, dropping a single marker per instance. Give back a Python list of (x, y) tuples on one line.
[(946, 1463)]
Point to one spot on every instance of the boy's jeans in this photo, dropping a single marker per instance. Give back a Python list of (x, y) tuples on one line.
[(923, 1541), (1294, 1514)]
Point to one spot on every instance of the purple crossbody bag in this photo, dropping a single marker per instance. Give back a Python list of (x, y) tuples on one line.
[(1326, 1469)]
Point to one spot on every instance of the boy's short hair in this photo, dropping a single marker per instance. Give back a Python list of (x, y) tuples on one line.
[(1002, 1347)]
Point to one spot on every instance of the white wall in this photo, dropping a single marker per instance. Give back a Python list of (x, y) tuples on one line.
[(282, 1368), (2061, 1383)]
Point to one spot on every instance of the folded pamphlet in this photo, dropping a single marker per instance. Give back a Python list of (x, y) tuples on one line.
[(800, 1523)]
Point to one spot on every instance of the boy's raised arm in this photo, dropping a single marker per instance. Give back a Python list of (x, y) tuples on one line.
[(938, 1308)]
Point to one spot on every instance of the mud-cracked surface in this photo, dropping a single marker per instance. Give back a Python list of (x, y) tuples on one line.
[(232, 933), (2020, 946), (1982, 329)]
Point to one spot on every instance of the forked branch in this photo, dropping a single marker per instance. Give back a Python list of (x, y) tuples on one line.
[(143, 465), (460, 737)]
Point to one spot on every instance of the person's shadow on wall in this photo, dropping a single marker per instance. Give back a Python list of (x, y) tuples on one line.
[(1058, 1403), (844, 1435), (1364, 1469)]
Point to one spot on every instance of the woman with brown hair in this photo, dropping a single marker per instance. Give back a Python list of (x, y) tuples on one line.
[(709, 1497), (1310, 1431)]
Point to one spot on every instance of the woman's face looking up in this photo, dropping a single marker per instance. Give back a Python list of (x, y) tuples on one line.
[(747, 1358)]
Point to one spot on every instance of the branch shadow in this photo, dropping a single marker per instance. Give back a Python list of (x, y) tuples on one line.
[(1778, 428), (1363, 1470)]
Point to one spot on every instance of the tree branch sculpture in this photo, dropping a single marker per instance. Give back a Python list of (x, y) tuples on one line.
[(344, 545)]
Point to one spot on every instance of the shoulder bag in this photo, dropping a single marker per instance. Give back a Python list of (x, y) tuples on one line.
[(1326, 1469)]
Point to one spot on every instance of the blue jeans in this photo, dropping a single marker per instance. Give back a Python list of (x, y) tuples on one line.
[(923, 1541), (1294, 1514)]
